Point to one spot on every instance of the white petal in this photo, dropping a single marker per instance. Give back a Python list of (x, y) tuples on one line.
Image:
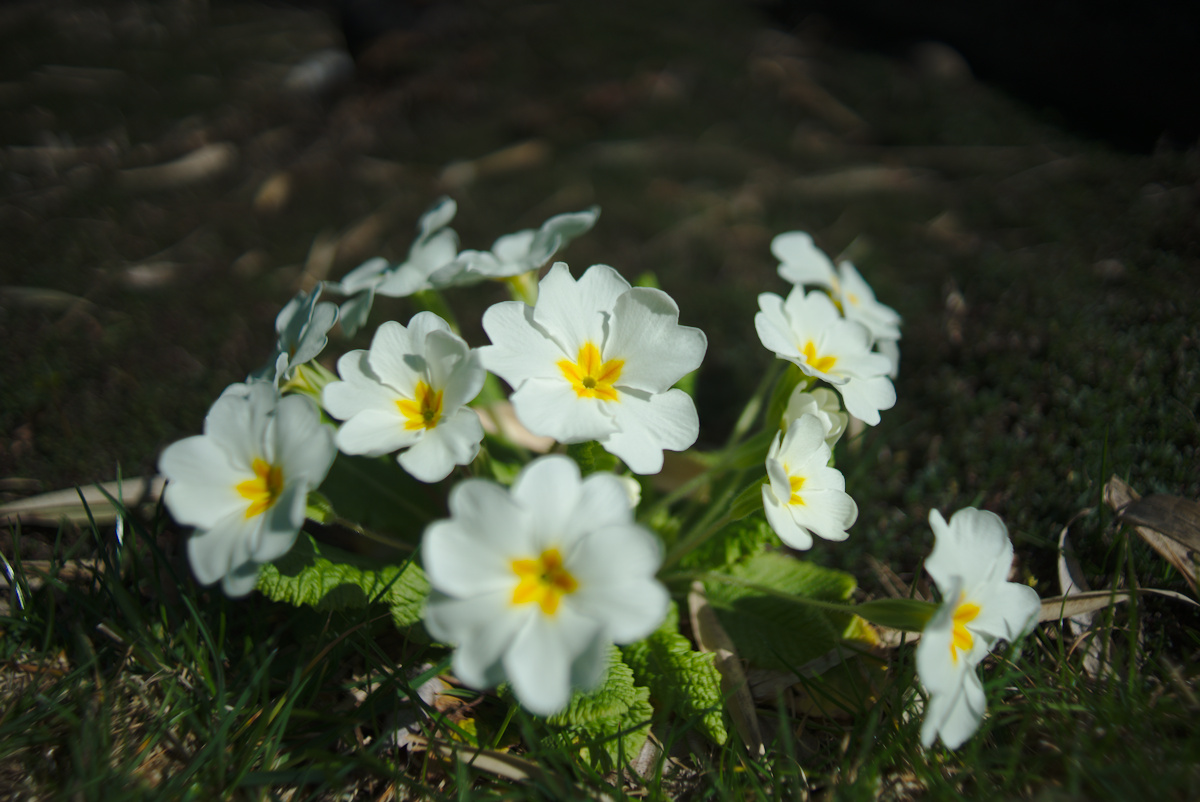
[(549, 407), (304, 446), (360, 388), (452, 442), (802, 261), (396, 357), (363, 277), (461, 564), (520, 349), (280, 525), (645, 332), (373, 433), (241, 580), (574, 312), (436, 217), (783, 523), (213, 552), (549, 488), (600, 504), (200, 490), (482, 628), (650, 425), (1009, 610), (489, 513), (539, 662), (973, 548), (955, 715), (864, 398), (773, 327)]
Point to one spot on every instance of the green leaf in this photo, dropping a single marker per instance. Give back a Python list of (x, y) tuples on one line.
[(772, 632), (328, 578), (909, 614), (608, 723), (376, 493), (733, 543), (681, 680)]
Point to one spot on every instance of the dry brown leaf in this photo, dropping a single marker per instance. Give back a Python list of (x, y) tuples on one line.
[(712, 637), (1119, 496), (1177, 518), (1060, 607), (49, 509)]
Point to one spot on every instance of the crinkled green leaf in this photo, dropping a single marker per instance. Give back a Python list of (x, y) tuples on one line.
[(733, 543), (328, 578), (608, 723), (772, 632), (376, 493), (681, 680)]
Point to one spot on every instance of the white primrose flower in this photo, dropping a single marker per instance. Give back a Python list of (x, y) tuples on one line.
[(804, 495), (302, 332), (596, 360), (532, 584), (244, 483), (409, 391), (807, 331), (821, 403), (969, 564), (432, 252), (801, 262), (514, 254), (858, 303)]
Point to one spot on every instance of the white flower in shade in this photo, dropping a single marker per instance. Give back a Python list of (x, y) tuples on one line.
[(969, 564), (244, 483), (802, 262), (409, 391), (807, 331), (803, 495), (302, 332), (858, 303), (822, 404), (596, 360), (532, 585), (432, 253), (514, 254)]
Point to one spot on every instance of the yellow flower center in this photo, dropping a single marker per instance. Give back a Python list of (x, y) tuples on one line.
[(589, 376), (797, 483), (962, 639), (544, 580), (425, 411), (263, 489), (822, 363)]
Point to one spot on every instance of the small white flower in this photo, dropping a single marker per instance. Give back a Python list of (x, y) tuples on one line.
[(596, 360), (804, 495), (244, 483), (409, 391), (807, 331), (532, 585), (801, 261), (821, 403), (302, 332), (514, 254), (969, 564), (432, 253), (858, 303)]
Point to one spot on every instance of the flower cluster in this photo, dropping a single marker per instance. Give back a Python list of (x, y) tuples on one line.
[(826, 335), (544, 563)]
